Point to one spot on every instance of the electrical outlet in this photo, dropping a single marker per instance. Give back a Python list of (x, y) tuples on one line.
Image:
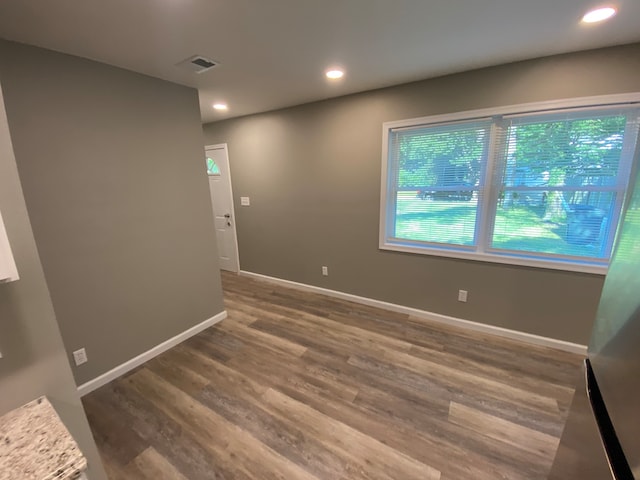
[(325, 271), (245, 201), (80, 356), (462, 295)]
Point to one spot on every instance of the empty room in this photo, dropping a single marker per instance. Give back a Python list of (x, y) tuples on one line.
[(348, 239)]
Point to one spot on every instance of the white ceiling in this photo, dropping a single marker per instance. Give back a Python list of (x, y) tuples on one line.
[(273, 52)]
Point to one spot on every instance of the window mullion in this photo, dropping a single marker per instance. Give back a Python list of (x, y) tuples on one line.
[(491, 191)]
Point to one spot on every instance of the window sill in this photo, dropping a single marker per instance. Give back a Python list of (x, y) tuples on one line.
[(498, 258)]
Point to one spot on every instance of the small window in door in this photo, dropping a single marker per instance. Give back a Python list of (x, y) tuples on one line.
[(212, 167)]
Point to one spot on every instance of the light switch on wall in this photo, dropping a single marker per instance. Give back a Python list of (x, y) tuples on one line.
[(245, 201), (80, 356)]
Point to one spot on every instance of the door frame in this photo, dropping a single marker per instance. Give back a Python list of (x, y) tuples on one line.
[(233, 211)]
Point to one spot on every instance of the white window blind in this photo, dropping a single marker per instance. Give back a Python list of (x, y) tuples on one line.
[(444, 166), (544, 188), (562, 182)]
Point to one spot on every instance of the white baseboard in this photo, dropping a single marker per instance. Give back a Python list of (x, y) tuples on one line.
[(120, 370), (435, 317)]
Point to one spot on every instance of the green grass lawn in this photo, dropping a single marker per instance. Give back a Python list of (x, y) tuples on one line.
[(453, 222)]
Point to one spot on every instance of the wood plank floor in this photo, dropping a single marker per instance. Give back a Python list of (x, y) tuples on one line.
[(295, 385)]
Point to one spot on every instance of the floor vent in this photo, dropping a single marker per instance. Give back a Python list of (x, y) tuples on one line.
[(198, 64)]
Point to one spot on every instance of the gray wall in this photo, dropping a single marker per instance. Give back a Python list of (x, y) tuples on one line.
[(313, 175), (112, 167), (34, 361)]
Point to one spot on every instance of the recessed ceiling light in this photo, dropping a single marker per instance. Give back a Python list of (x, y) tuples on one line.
[(220, 106), (599, 14), (334, 73)]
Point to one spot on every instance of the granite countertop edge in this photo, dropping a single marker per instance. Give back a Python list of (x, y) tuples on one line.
[(35, 445), (71, 471)]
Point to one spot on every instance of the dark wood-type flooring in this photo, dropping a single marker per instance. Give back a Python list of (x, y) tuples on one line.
[(295, 385)]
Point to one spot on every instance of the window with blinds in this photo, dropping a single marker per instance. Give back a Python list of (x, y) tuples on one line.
[(542, 189), (438, 182)]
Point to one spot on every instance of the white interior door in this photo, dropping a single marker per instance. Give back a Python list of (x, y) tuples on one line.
[(222, 201)]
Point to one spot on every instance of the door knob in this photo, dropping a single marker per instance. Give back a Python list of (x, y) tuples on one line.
[(226, 215)]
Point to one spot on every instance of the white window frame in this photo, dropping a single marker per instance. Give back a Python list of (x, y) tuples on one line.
[(490, 198)]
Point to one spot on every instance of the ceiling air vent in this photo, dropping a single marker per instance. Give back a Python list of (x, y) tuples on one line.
[(197, 64)]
